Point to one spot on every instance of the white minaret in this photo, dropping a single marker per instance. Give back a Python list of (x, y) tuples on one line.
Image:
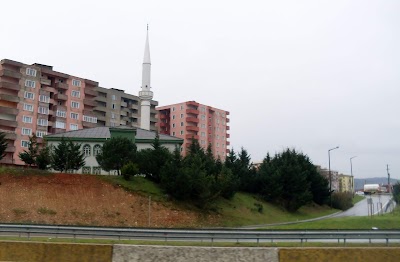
[(145, 95)]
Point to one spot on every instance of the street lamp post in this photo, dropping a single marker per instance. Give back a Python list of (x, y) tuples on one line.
[(352, 177), (330, 175)]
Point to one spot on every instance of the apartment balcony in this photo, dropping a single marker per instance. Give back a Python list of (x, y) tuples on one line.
[(89, 102), (192, 119), (9, 161), (91, 92), (227, 120), (89, 113), (164, 116), (10, 149), (62, 85), (192, 111), (45, 81), (135, 115), (124, 104), (60, 108), (49, 89), (228, 143), (10, 135), (9, 98), (10, 73), (228, 135), (163, 124), (191, 136), (10, 86), (100, 109), (192, 128), (153, 119), (134, 106), (88, 125), (101, 98), (8, 123), (100, 117), (61, 97), (9, 110), (89, 82), (228, 128), (192, 103)]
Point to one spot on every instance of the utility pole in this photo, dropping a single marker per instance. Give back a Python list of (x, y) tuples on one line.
[(387, 170)]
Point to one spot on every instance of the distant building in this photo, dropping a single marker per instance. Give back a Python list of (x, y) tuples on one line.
[(333, 177), (191, 120), (346, 183), (92, 140), (35, 99)]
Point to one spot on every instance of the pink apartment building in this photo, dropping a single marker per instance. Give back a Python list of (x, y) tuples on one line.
[(190, 120), (34, 99)]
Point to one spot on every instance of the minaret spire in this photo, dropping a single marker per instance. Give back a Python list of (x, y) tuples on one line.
[(146, 95)]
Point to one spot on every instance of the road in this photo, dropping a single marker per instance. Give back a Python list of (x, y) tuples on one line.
[(379, 203)]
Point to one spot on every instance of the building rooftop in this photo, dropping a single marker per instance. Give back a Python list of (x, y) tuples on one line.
[(104, 133)]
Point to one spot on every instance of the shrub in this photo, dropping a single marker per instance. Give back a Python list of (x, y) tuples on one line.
[(129, 170), (342, 201)]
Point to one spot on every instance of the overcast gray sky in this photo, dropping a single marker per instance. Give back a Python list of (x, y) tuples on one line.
[(308, 75)]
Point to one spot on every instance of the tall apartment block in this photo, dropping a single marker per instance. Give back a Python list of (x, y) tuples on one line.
[(115, 108), (34, 99), (190, 120)]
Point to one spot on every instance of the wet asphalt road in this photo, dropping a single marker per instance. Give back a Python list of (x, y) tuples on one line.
[(362, 208)]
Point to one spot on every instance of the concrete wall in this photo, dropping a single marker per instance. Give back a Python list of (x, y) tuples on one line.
[(60, 252)]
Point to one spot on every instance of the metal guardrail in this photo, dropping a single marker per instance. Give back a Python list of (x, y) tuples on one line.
[(226, 235)]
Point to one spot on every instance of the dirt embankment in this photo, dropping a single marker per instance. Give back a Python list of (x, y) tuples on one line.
[(71, 199)]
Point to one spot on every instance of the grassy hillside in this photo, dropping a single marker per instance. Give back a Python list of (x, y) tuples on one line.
[(31, 196)]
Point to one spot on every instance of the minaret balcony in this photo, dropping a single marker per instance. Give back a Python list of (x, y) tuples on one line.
[(146, 95)]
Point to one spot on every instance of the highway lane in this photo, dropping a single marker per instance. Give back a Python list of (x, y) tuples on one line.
[(362, 208)]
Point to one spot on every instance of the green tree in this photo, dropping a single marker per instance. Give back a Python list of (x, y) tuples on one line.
[(3, 144), (285, 179), (115, 153), (67, 155), (396, 193), (129, 170), (151, 161), (43, 159), (29, 156)]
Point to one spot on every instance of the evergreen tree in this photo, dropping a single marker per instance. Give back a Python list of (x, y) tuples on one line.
[(115, 153), (3, 145), (67, 155), (43, 159), (29, 156)]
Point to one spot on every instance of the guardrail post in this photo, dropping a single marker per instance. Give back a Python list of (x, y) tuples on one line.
[(387, 242), (344, 241), (258, 241)]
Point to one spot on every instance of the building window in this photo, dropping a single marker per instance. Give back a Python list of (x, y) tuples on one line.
[(181, 123), (203, 117), (181, 115), (43, 110), (76, 82), (74, 104), (113, 97), (30, 83), (86, 150), (181, 107), (86, 170), (173, 116), (24, 143), (90, 119), (173, 109), (173, 133), (173, 125), (203, 134), (29, 95), (60, 113), (42, 122), (112, 115), (113, 106), (74, 115), (26, 131), (97, 170), (28, 107), (60, 125), (41, 133), (73, 126), (44, 99), (27, 119), (202, 142), (181, 132), (31, 71), (96, 150), (75, 93)]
